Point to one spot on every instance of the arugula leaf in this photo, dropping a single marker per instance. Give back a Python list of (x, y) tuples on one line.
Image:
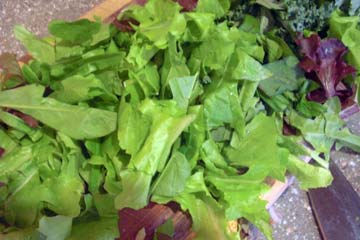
[(39, 49), (18, 124), (75, 121), (77, 88), (75, 32)]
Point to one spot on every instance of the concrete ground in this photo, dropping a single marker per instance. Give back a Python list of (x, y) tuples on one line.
[(35, 16), (295, 220)]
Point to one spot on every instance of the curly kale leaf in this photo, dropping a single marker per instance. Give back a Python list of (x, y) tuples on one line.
[(307, 14)]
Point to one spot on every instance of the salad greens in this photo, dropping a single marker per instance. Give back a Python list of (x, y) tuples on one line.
[(191, 107)]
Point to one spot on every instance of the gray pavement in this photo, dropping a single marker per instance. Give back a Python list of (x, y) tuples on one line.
[(295, 218), (35, 16)]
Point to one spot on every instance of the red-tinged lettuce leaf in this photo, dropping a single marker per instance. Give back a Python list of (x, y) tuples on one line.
[(188, 5), (2, 151), (124, 25), (288, 130), (323, 62), (151, 218), (9, 69), (30, 121)]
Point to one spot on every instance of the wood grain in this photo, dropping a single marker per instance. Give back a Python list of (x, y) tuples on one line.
[(106, 9), (337, 208)]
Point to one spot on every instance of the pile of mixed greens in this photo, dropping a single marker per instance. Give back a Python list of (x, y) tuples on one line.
[(200, 103)]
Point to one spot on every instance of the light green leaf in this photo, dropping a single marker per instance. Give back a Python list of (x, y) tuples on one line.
[(165, 129), (102, 229), (14, 160), (309, 176), (76, 32), (247, 68), (62, 194), (182, 89), (148, 79), (222, 106), (155, 25), (215, 50), (217, 7), (7, 142), (133, 128), (198, 26), (259, 147), (172, 180), (135, 190), (208, 218), (166, 228), (77, 88), (55, 228), (39, 49), (248, 205)]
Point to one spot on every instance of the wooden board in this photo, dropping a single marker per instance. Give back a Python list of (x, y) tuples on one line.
[(106, 9), (337, 208)]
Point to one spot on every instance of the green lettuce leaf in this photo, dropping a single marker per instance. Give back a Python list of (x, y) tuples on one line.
[(75, 121), (102, 229), (172, 180), (55, 228), (309, 176), (217, 7), (286, 77), (155, 25)]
